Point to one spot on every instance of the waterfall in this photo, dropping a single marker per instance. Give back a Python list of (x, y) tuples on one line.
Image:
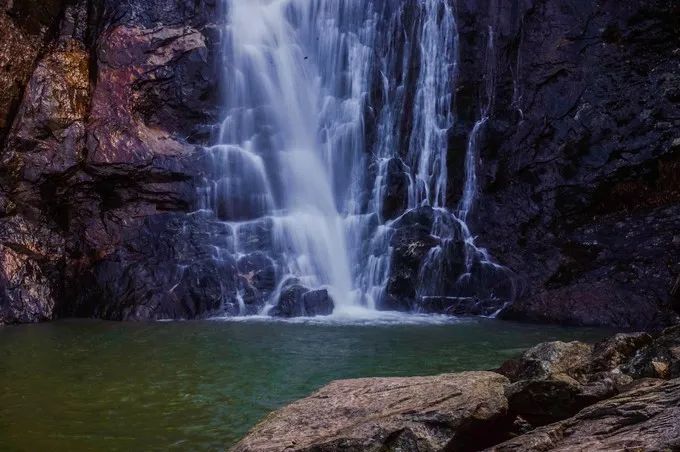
[(336, 136)]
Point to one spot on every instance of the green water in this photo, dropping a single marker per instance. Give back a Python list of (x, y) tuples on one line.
[(74, 385)]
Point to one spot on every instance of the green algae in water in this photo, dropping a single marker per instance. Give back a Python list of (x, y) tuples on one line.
[(79, 385)]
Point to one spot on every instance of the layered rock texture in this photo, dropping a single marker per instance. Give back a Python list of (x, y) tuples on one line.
[(106, 106), (420, 413), (620, 394)]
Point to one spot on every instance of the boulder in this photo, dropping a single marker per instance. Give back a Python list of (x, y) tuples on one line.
[(299, 301), (550, 359), (541, 402), (645, 418), (612, 352), (548, 381), (659, 359), (318, 302), (445, 412), (555, 380), (290, 302)]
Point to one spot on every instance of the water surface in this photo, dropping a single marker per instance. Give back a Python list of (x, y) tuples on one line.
[(90, 385)]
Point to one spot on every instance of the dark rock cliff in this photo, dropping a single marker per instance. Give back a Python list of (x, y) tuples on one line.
[(580, 165), (105, 106)]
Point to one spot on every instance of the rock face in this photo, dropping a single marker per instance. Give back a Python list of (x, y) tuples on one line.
[(579, 192), (101, 128), (591, 397), (452, 412), (424, 265), (27, 27), (106, 107)]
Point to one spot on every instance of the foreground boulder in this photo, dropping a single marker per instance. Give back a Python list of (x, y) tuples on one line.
[(594, 397), (548, 381), (555, 380), (453, 411), (645, 418), (659, 359)]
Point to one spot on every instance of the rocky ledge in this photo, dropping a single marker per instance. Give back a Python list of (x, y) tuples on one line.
[(620, 394)]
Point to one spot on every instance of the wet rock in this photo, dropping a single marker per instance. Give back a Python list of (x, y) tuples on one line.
[(258, 278), (411, 242), (434, 268), (576, 192), (290, 302), (455, 411), (394, 189), (255, 236), (299, 301), (236, 187), (318, 302), (644, 418), (459, 306), (170, 267)]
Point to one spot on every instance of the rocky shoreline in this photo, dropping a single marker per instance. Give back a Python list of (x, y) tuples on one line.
[(622, 393)]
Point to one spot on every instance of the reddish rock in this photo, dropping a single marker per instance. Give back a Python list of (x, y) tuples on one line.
[(29, 259), (24, 33), (445, 412), (49, 130)]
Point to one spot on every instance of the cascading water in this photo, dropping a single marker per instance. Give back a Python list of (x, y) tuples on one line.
[(333, 154)]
